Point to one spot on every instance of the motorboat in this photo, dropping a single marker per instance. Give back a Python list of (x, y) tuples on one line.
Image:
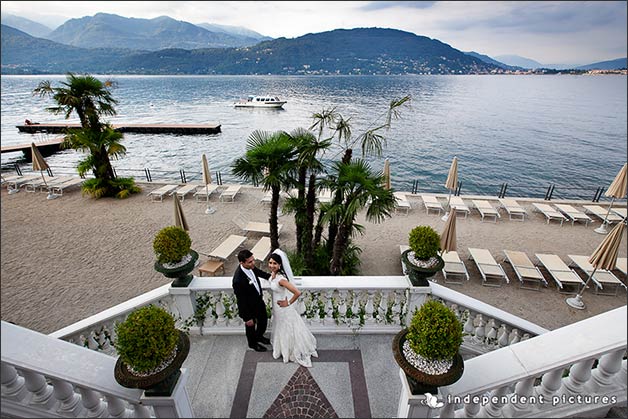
[(272, 102)]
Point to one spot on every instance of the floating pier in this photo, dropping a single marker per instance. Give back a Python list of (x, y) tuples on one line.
[(46, 148), (130, 128)]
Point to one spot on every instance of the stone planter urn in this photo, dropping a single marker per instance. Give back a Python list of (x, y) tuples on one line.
[(422, 382), (419, 273), (180, 274)]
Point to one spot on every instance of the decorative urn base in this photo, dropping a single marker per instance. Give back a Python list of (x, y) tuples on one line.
[(421, 382), (419, 275), (161, 383), (180, 274)]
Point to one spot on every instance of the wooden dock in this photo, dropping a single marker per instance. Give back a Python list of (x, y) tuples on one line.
[(46, 148), (130, 128)]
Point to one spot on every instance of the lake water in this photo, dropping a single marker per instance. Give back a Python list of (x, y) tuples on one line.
[(526, 131)]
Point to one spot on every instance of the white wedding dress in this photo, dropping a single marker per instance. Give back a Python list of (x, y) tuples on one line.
[(290, 336)]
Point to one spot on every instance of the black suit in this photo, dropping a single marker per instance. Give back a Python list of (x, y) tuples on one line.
[(251, 304)]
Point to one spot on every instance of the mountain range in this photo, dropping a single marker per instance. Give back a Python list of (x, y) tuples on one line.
[(111, 44)]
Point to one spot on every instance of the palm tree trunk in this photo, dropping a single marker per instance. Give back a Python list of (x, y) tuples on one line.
[(274, 205), (308, 229), (339, 247), (301, 197)]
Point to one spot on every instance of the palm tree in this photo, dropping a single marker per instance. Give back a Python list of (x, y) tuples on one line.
[(89, 97), (270, 160), (358, 187)]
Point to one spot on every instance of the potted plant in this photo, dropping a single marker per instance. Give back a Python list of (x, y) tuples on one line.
[(428, 350), (421, 259), (151, 351), (175, 258)]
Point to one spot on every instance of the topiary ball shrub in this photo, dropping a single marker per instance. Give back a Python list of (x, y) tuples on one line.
[(435, 332), (146, 338), (171, 244), (424, 241)]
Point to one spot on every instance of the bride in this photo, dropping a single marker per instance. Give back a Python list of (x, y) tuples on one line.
[(290, 336)]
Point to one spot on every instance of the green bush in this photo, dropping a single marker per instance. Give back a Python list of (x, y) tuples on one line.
[(424, 241), (171, 244), (435, 332), (146, 338)]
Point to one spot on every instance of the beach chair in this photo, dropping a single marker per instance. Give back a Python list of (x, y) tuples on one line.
[(267, 198), (622, 212), (203, 192), (324, 195), (600, 212), (621, 265), (459, 206), (261, 250), (56, 189), (254, 226), (486, 209), (454, 268), (160, 192), (431, 203), (488, 267), (513, 208), (220, 254), (525, 270), (562, 274), (230, 193), (573, 214), (402, 202), (602, 278), (549, 212), (38, 182), (184, 190), (14, 183)]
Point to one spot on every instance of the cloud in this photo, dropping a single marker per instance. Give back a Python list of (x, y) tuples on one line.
[(379, 5)]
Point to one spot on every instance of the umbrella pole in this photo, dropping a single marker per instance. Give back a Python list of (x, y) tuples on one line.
[(444, 217), (576, 302), (209, 209), (602, 229)]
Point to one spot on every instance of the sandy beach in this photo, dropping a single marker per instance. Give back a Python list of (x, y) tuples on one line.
[(72, 257)]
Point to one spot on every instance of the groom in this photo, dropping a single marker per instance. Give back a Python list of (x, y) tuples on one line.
[(248, 292)]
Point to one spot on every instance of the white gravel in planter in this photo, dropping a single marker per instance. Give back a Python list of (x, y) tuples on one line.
[(186, 259), (428, 366), (422, 263)]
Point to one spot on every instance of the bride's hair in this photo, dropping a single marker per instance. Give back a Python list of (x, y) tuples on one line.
[(277, 258)]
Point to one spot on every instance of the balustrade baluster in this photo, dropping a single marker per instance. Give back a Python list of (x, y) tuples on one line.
[(220, 311), (300, 306), (579, 374), (494, 407), (42, 391), (64, 392), (470, 410), (491, 332), (342, 304), (448, 410), (479, 332), (396, 308), (329, 307), (469, 328), (502, 340), (369, 308), (607, 368), (382, 307), (550, 383), (116, 407), (12, 384), (92, 402), (524, 389), (140, 411), (514, 336)]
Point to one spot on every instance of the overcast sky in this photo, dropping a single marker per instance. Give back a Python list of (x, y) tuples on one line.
[(550, 32)]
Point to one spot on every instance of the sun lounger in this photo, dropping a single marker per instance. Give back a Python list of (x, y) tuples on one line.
[(454, 267), (562, 274), (227, 247), (261, 249), (573, 214), (230, 193), (549, 212), (254, 226), (459, 206), (14, 184), (402, 202), (185, 189), (513, 208), (160, 192), (601, 213), (621, 265), (38, 182), (488, 267), (603, 279), (486, 209), (267, 198), (620, 211), (525, 270), (324, 195), (203, 192), (57, 189), (431, 203)]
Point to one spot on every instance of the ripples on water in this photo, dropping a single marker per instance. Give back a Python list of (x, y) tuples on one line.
[(520, 130)]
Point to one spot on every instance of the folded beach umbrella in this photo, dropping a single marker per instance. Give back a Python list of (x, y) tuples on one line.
[(451, 183), (604, 257), (448, 236), (386, 172), (38, 162), (179, 217), (207, 179), (616, 190)]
